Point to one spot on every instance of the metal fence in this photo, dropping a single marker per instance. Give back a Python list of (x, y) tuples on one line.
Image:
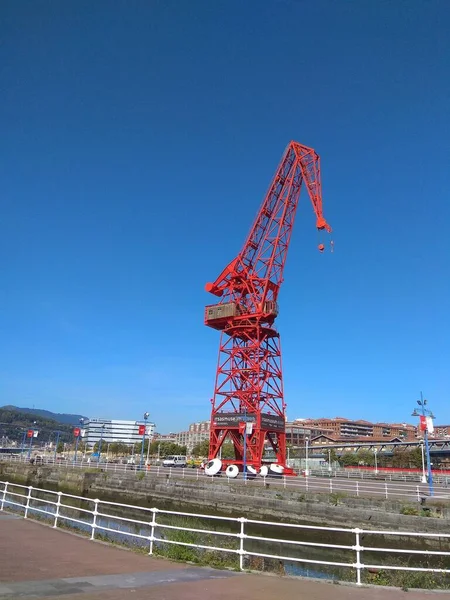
[(240, 537), (316, 482)]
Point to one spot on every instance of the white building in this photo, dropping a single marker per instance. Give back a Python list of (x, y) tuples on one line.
[(115, 431)]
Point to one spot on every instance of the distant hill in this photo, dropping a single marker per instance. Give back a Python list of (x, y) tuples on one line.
[(64, 418), (15, 422)]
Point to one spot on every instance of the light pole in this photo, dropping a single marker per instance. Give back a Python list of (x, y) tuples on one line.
[(77, 439), (31, 439), (58, 433), (424, 415), (100, 442), (375, 452), (146, 415), (306, 457), (23, 443), (148, 446), (329, 460), (424, 474), (244, 466)]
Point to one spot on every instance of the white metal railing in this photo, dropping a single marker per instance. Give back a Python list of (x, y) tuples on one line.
[(347, 486), (149, 527)]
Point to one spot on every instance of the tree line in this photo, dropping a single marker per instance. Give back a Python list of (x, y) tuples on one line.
[(163, 449), (400, 458), (13, 424), (156, 448)]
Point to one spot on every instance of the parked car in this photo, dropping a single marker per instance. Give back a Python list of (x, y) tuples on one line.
[(175, 460)]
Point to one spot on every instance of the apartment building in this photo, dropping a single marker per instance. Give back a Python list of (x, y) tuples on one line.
[(441, 431), (340, 428), (297, 433), (197, 432)]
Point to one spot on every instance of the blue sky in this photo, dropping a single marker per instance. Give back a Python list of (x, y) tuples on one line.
[(138, 139)]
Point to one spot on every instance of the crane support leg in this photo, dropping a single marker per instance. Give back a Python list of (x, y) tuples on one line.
[(249, 389)]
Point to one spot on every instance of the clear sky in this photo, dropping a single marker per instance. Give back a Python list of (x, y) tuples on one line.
[(137, 141)]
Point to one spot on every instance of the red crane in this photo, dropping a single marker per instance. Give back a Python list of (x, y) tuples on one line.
[(248, 406)]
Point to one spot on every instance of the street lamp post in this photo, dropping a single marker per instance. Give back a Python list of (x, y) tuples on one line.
[(24, 437), (77, 441), (424, 474), (146, 415), (425, 413), (375, 452), (100, 442), (31, 439), (329, 460), (244, 465), (148, 446), (58, 433), (306, 458)]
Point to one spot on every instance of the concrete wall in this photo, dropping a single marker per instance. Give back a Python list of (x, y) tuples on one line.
[(222, 497)]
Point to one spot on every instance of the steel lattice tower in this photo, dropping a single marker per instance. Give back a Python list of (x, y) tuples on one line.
[(249, 382)]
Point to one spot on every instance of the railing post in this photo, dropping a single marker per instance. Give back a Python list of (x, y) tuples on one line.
[(30, 488), (386, 490), (94, 520), (183, 472), (284, 481), (331, 486), (306, 480), (197, 474), (417, 490), (58, 504), (358, 566), (357, 488), (241, 536), (153, 525), (5, 489)]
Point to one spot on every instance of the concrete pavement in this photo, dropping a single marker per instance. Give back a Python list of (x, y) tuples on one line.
[(37, 561)]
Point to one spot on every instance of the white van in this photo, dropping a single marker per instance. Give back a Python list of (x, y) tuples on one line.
[(176, 460)]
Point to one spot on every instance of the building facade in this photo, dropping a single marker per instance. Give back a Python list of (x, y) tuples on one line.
[(297, 433), (341, 428), (197, 432), (112, 431), (441, 431)]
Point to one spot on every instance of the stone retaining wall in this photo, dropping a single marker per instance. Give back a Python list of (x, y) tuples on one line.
[(222, 497)]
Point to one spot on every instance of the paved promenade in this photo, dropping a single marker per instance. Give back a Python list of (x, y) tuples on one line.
[(37, 561)]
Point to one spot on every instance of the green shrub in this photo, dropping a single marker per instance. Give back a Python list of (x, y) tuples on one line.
[(409, 510)]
